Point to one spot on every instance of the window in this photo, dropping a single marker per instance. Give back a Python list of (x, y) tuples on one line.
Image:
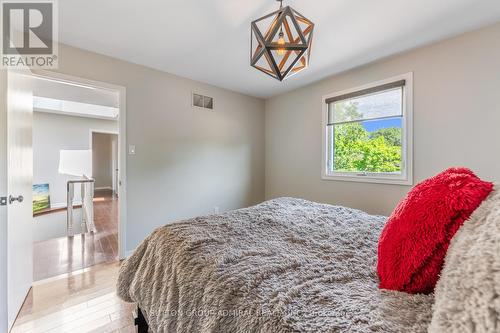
[(368, 133)]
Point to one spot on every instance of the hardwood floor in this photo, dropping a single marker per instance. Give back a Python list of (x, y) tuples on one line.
[(66, 254), (84, 301), (78, 293)]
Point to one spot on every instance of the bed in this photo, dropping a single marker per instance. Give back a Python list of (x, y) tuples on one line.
[(286, 265)]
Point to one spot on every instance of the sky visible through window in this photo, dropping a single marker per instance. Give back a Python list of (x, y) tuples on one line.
[(374, 125)]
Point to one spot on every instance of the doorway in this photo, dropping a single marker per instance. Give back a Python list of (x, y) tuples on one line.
[(105, 160), (84, 230), (16, 174)]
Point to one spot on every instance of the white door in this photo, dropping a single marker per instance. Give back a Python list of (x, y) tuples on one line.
[(19, 191)]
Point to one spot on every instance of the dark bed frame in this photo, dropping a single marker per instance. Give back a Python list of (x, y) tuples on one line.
[(140, 322)]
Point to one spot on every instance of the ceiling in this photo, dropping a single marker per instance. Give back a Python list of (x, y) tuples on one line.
[(73, 99), (208, 40), (69, 91)]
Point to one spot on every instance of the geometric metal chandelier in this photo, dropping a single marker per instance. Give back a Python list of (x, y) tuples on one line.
[(281, 42)]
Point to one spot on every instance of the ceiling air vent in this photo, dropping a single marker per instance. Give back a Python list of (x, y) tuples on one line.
[(203, 101)]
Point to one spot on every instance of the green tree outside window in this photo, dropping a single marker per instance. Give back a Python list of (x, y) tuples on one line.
[(358, 150)]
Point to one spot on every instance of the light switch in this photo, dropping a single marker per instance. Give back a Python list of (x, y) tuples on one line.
[(131, 150)]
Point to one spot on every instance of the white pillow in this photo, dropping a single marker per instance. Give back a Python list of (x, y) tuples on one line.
[(467, 296)]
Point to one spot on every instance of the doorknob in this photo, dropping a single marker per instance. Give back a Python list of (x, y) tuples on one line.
[(19, 198)]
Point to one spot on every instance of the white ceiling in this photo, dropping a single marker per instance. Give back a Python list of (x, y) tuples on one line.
[(73, 99), (208, 40), (69, 91)]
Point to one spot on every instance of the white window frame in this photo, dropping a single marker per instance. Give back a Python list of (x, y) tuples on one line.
[(406, 177)]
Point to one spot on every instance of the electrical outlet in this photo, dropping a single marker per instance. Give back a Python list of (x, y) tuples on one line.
[(216, 210)]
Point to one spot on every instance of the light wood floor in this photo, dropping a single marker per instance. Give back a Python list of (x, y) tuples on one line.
[(66, 254), (82, 301)]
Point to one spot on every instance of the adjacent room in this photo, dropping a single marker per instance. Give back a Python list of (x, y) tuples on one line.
[(274, 166), (75, 164)]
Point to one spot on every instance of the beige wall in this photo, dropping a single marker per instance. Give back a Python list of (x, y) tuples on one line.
[(187, 160), (456, 122)]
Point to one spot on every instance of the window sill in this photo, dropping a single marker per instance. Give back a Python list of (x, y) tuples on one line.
[(370, 179)]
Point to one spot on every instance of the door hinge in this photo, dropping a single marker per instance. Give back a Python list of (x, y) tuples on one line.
[(3, 201)]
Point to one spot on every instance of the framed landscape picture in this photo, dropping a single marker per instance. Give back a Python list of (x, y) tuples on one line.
[(41, 197)]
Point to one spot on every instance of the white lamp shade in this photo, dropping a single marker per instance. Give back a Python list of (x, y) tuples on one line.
[(76, 162)]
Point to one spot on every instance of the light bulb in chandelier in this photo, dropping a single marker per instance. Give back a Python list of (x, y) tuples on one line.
[(281, 41)]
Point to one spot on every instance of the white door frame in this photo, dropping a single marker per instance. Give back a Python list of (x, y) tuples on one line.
[(122, 143)]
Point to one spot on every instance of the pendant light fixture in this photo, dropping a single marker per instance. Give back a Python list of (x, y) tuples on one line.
[(281, 42)]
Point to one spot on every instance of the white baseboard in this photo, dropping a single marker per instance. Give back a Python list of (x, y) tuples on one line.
[(109, 188), (129, 253), (57, 205)]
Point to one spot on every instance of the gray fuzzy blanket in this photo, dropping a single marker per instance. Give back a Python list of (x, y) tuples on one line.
[(468, 293), (286, 265)]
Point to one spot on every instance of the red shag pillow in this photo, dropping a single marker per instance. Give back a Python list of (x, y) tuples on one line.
[(414, 241)]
